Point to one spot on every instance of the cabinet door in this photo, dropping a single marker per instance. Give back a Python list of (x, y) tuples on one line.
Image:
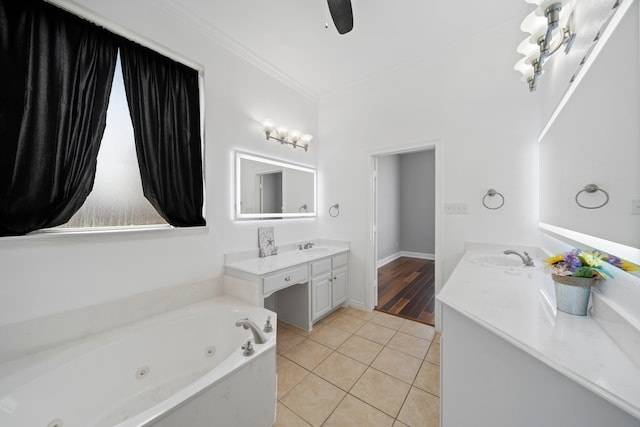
[(339, 286), (321, 297)]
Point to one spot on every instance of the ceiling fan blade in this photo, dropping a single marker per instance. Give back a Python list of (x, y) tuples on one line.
[(342, 15)]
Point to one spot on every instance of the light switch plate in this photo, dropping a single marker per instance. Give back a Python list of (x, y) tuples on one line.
[(456, 208)]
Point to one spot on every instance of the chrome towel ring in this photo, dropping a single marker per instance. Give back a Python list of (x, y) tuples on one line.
[(334, 210), (491, 193), (592, 188), (303, 208)]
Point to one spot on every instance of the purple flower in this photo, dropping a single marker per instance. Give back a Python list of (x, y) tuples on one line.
[(614, 260), (572, 262)]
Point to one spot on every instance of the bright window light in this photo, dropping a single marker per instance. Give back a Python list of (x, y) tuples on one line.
[(117, 199)]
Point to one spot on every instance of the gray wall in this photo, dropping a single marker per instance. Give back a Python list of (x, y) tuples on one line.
[(417, 202), (406, 203), (388, 205)]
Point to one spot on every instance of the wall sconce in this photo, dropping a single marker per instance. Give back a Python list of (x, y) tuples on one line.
[(285, 136), (550, 27)]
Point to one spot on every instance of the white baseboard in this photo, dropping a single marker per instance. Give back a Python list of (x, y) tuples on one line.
[(356, 304), (387, 260), (418, 255), (384, 261)]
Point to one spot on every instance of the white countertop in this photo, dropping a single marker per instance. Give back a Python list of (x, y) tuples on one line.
[(519, 306), (288, 258)]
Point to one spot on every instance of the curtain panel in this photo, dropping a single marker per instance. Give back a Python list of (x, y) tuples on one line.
[(164, 104), (56, 72), (55, 79)]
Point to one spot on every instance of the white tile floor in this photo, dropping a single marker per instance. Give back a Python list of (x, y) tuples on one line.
[(358, 369)]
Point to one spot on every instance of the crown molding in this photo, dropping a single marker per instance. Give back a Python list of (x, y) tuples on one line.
[(207, 29)]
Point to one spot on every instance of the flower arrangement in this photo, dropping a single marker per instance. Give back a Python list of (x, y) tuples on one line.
[(622, 264), (577, 263)]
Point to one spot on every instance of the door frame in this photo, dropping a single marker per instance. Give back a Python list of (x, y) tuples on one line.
[(260, 186), (371, 289)]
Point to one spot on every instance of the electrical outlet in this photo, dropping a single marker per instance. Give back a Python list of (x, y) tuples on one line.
[(457, 208), (635, 207)]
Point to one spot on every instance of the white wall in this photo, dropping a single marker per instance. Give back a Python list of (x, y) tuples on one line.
[(475, 104), (417, 202), (41, 276), (594, 140), (388, 206)]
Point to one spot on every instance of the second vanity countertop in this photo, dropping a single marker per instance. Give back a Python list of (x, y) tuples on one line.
[(519, 306), (288, 256)]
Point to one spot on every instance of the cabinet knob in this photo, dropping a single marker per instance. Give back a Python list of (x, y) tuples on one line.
[(287, 279)]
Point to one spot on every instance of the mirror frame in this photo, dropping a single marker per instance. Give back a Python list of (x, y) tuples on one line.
[(238, 215)]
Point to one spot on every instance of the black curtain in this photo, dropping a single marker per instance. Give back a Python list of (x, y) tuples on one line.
[(164, 104), (56, 72)]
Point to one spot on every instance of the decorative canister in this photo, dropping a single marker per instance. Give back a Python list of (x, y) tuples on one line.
[(572, 293)]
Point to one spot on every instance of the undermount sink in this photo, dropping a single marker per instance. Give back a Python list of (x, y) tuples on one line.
[(506, 262), (315, 251)]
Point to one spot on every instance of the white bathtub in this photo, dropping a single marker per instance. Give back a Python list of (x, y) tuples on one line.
[(182, 368)]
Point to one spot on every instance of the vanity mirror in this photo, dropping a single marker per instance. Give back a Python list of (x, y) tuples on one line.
[(593, 139), (267, 188)]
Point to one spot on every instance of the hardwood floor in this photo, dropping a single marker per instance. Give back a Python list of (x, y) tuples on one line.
[(406, 288)]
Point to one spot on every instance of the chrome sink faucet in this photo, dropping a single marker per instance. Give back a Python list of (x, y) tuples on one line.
[(526, 259), (308, 245), (258, 336)]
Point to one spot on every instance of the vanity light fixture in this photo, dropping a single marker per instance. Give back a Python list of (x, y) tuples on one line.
[(550, 26), (285, 136)]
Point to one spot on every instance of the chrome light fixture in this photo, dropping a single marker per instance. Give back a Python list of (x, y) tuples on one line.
[(550, 26), (285, 136)]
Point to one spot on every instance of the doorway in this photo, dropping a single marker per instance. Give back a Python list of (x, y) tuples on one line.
[(406, 233), (270, 192)]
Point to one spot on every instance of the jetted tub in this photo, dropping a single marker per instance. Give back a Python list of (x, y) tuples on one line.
[(181, 368)]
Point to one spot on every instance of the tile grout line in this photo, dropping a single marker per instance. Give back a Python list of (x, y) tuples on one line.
[(368, 365)]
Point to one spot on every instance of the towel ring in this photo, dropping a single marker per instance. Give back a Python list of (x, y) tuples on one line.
[(302, 209), (334, 210), (490, 193), (592, 188)]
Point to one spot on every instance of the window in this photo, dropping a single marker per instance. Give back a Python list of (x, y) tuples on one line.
[(57, 164), (117, 199)]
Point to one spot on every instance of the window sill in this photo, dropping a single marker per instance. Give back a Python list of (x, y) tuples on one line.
[(106, 232)]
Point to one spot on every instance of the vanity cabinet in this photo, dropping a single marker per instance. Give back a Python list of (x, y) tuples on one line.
[(487, 381), (300, 286), (328, 284), (284, 279), (339, 279)]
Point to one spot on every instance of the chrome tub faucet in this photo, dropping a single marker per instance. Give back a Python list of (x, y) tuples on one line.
[(258, 336)]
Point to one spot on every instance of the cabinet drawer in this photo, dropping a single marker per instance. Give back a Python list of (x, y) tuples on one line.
[(286, 278), (339, 260), (319, 267)]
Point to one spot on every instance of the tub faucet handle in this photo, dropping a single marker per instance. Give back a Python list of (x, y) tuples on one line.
[(248, 349), (268, 327)]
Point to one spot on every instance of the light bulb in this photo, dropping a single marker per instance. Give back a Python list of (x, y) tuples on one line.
[(527, 48), (306, 138), (283, 132), (267, 127), (533, 23), (295, 136), (523, 67), (267, 124)]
